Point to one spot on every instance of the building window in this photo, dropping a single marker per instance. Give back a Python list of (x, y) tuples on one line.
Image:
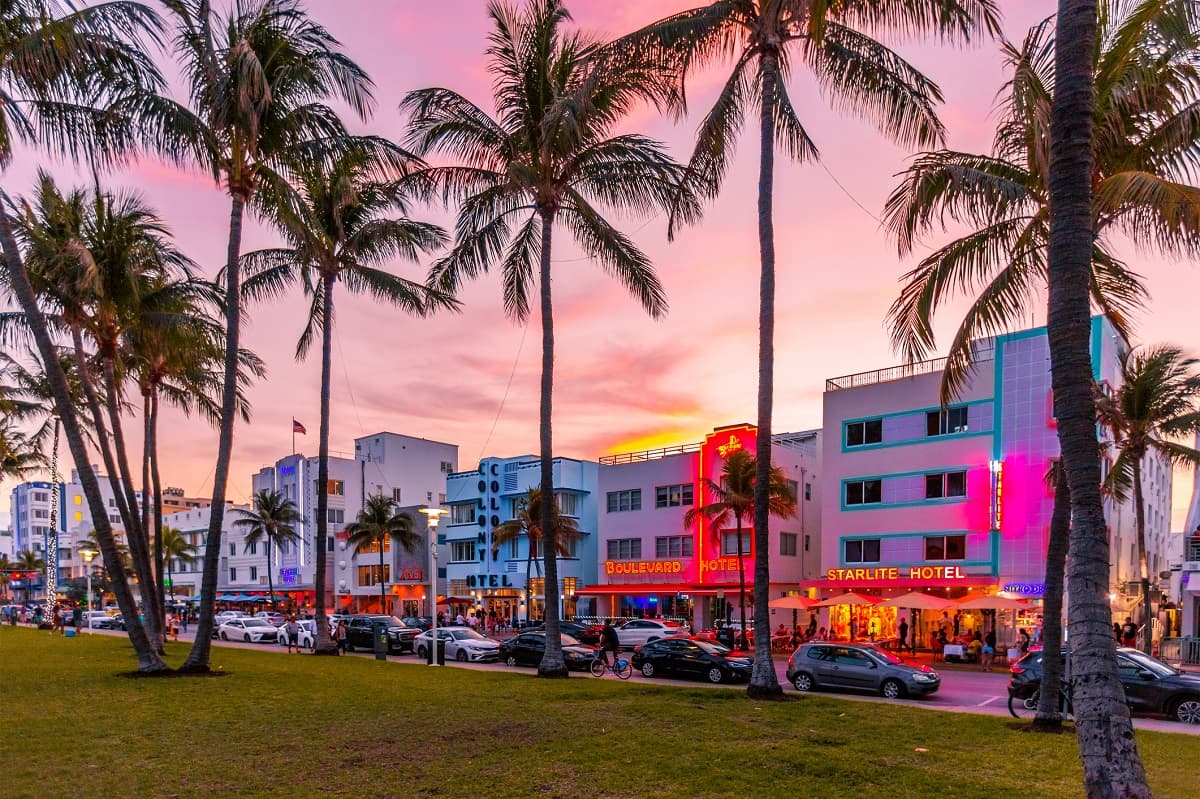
[(38, 513), (253, 548), (946, 547), (868, 431), (568, 586), (808, 491), (78, 499), (624, 500), (337, 515), (233, 549), (370, 575), (329, 543), (512, 548), (441, 499), (463, 513), (233, 574), (78, 516), (462, 551), (41, 496), (624, 548), (945, 484), (864, 550), (447, 467), (945, 422), (115, 519), (537, 586), (864, 492), (673, 546), (807, 540), (372, 547), (729, 543), (253, 574), (787, 543), (673, 496), (568, 504), (458, 588), (334, 488), (396, 495)]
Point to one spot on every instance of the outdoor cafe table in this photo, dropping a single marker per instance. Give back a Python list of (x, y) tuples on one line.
[(952, 650)]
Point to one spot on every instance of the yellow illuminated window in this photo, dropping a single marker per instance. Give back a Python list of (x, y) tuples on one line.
[(78, 500), (78, 516)]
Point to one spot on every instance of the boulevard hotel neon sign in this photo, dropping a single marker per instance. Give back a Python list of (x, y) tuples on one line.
[(886, 573)]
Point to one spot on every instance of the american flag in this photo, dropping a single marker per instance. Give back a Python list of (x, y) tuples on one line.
[(298, 428)]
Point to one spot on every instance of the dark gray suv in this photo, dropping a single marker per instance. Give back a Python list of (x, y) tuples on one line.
[(858, 667)]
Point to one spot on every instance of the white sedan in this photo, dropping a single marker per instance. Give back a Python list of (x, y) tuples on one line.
[(306, 634), (462, 644), (252, 631), (636, 632)]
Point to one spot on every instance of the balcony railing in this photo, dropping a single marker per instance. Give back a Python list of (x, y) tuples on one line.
[(1191, 550), (983, 351), (648, 454)]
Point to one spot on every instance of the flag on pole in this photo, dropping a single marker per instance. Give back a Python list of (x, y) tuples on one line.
[(298, 428)]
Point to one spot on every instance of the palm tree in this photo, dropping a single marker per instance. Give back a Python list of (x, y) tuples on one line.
[(549, 156), (270, 520), (258, 79), (73, 81), (104, 576), (528, 523), (18, 455), (6, 569), (1142, 172), (764, 39), (1107, 747), (1154, 403), (176, 547), (343, 220), (733, 502), (377, 524), (28, 561)]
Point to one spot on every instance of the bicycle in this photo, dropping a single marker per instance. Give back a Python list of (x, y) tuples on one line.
[(620, 667), (1026, 707)]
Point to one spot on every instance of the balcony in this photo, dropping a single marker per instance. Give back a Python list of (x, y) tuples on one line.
[(648, 454), (982, 351), (1191, 554)]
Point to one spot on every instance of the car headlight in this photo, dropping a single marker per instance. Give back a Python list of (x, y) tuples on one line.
[(925, 677)]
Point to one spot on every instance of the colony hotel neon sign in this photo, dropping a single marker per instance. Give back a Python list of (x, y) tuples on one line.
[(896, 573)]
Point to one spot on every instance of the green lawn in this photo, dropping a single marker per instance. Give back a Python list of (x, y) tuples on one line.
[(303, 726)]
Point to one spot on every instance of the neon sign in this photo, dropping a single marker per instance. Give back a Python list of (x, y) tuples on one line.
[(718, 565), (896, 573), (732, 445), (643, 567), (1025, 589), (997, 469)]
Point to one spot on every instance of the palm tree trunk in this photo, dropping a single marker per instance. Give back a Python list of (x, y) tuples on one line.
[(155, 576), (135, 534), (741, 585), (270, 574), (1139, 511), (1049, 715), (529, 581), (148, 659), (324, 643), (156, 484), (198, 657), (382, 585), (552, 664), (763, 682), (1108, 750)]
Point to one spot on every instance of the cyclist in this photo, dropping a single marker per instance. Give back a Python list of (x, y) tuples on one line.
[(609, 643)]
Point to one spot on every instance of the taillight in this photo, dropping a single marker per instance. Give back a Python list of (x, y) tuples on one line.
[(791, 660), (1015, 669)]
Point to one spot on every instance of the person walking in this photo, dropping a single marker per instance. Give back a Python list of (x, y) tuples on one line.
[(1129, 632), (292, 630), (988, 652), (339, 636), (904, 637), (183, 619)]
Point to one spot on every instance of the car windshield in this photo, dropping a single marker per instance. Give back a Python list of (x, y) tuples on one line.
[(391, 621), (886, 656), (466, 635), (1155, 667), (257, 623), (570, 640), (711, 648)]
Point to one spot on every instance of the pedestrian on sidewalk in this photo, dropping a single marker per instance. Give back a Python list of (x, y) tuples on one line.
[(292, 631), (904, 637), (988, 653), (339, 636)]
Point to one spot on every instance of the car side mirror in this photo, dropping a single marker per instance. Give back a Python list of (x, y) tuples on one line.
[(872, 664), (1146, 675)]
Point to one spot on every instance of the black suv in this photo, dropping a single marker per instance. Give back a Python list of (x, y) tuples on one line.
[(360, 632), (1151, 686)]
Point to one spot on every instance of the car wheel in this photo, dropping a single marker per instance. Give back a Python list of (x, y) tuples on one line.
[(224, 637), (510, 661), (715, 675), (892, 689), (803, 682), (422, 652), (247, 638), (647, 669), (1186, 711), (461, 657)]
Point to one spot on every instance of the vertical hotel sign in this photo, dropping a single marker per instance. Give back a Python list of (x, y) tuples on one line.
[(714, 566)]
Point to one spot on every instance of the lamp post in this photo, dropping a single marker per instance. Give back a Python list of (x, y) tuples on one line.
[(432, 516), (87, 555)]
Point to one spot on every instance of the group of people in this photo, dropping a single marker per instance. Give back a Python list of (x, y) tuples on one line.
[(489, 621), (1126, 634)]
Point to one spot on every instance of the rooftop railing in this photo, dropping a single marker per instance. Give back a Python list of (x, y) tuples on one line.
[(984, 351), (648, 454)]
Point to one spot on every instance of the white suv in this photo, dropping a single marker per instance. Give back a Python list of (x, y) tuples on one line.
[(641, 631)]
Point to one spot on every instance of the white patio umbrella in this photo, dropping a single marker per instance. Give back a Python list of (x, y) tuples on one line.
[(918, 601), (849, 598), (793, 602)]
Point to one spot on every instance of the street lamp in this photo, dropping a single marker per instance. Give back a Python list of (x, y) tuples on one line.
[(432, 516), (87, 555)]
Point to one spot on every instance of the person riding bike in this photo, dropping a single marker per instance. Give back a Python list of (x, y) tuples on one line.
[(609, 642)]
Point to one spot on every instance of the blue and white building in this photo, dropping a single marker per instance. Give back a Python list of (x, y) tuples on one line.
[(509, 579)]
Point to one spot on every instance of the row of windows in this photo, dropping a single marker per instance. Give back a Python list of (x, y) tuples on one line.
[(937, 423), (937, 547), (681, 546), (938, 485), (233, 578), (672, 496)]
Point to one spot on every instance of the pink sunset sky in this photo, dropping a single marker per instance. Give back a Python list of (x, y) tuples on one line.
[(623, 381)]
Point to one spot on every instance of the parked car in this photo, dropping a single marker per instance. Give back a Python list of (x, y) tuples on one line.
[(690, 658), (96, 620), (418, 622), (859, 667), (226, 615), (584, 633), (1151, 686), (252, 631), (306, 634), (643, 631), (117, 622), (274, 617), (462, 644), (528, 648), (360, 631)]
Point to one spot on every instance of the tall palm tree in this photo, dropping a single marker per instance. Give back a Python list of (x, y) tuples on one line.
[(104, 576), (19, 456), (343, 221), (527, 522), (258, 80), (1155, 402), (6, 569), (765, 39), (733, 503), (73, 79), (176, 547), (1145, 73), (1107, 748), (377, 525), (551, 156), (270, 520), (28, 561)]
